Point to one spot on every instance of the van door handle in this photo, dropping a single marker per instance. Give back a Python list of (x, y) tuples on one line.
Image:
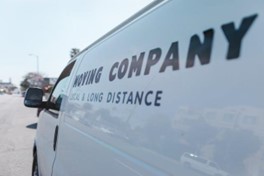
[(55, 137)]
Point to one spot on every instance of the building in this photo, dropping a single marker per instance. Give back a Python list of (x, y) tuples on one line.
[(7, 87)]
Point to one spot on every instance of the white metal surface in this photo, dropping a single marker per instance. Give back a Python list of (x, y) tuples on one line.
[(185, 77)]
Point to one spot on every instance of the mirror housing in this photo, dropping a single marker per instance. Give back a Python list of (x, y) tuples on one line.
[(33, 98)]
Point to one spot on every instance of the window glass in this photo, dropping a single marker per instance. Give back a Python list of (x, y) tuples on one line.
[(59, 92)]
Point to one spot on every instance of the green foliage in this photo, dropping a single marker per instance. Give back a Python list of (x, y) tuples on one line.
[(31, 79), (74, 52)]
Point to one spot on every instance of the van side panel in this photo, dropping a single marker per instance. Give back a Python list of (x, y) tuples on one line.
[(48, 123), (185, 77)]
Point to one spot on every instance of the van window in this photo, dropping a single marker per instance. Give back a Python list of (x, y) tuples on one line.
[(59, 91)]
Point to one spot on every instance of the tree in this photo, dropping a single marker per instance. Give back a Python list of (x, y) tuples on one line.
[(74, 52), (31, 79), (234, 147)]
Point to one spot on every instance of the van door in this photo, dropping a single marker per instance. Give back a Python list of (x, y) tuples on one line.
[(48, 125)]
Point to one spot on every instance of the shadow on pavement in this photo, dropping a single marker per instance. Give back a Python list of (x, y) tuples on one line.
[(32, 126)]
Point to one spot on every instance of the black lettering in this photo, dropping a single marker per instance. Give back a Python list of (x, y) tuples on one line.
[(88, 96), (153, 58), (97, 97), (124, 97), (92, 76), (139, 98), (88, 76), (202, 50), (122, 68), (130, 98), (76, 81), (172, 58), (84, 77), (118, 97), (80, 80), (146, 98), (234, 37), (158, 98), (111, 75), (109, 97), (113, 97), (101, 97), (136, 65), (98, 75), (92, 97)]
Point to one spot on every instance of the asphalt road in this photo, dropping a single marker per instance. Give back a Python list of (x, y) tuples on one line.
[(17, 132)]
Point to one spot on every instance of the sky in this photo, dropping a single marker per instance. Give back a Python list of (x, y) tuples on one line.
[(49, 29)]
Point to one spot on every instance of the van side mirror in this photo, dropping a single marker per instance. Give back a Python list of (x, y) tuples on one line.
[(33, 97)]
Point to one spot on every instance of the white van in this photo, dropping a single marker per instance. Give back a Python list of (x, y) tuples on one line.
[(177, 76)]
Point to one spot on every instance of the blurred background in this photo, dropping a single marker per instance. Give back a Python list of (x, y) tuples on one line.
[(38, 37)]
